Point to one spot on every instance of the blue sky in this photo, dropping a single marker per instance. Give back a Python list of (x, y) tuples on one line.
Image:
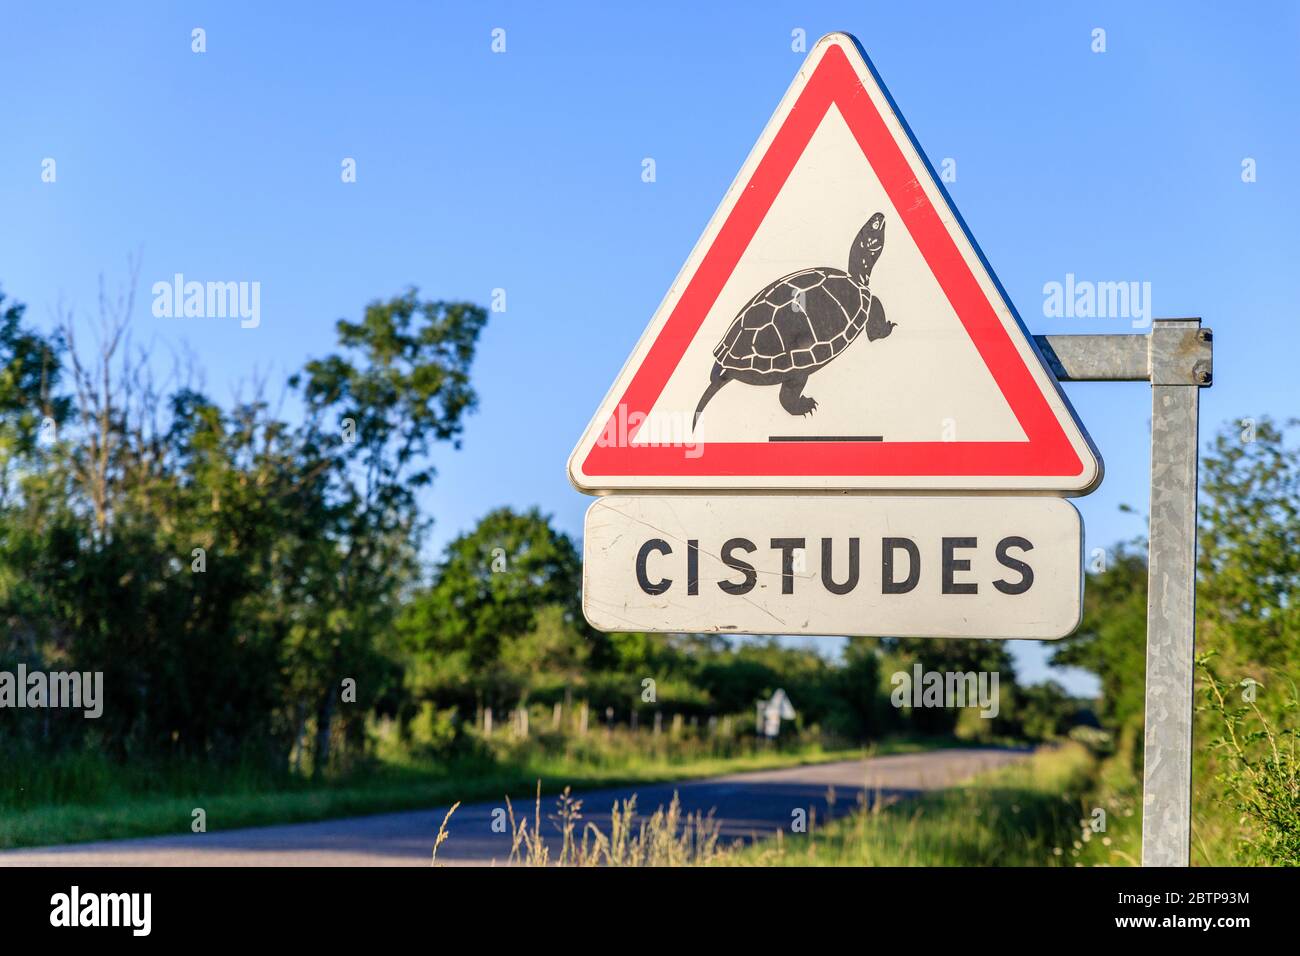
[(522, 171)]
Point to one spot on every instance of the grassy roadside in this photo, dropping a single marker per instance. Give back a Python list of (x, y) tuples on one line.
[(1217, 829), (1030, 814), (390, 785)]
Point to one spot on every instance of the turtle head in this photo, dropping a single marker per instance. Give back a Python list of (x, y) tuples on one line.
[(866, 248)]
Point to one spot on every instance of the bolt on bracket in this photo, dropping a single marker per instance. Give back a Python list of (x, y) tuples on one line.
[(1181, 353)]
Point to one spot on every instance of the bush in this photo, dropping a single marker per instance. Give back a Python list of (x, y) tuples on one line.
[(1260, 770)]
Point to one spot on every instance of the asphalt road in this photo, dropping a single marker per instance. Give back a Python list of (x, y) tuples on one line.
[(747, 805)]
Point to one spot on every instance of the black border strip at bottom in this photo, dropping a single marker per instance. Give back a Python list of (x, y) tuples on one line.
[(213, 905)]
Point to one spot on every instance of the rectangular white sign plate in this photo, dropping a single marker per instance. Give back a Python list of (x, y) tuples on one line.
[(920, 566)]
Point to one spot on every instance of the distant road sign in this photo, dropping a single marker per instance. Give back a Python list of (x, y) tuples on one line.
[(924, 566), (835, 328)]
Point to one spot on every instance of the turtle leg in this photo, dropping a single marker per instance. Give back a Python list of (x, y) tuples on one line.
[(792, 398)]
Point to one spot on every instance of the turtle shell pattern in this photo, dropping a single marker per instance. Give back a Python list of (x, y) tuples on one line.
[(773, 333)]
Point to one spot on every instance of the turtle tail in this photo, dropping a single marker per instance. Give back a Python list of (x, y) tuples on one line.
[(717, 379)]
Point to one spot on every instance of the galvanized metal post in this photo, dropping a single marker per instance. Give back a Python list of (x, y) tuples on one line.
[(1178, 363), (1177, 373)]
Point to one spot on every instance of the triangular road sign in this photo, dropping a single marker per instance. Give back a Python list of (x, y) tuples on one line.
[(835, 328)]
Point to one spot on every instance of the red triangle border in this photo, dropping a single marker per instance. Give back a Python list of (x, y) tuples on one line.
[(1047, 452)]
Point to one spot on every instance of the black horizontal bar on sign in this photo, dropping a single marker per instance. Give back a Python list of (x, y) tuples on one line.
[(825, 437)]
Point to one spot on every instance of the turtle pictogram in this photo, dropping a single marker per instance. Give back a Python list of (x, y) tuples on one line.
[(800, 322)]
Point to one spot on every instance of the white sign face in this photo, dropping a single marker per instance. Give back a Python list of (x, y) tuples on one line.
[(835, 328), (922, 566)]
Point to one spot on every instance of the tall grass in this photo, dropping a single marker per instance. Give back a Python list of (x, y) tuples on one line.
[(1030, 814), (1117, 792), (667, 837), (88, 796), (31, 779), (1258, 770), (1246, 785)]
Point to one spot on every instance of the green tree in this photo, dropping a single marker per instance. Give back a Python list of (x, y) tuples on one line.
[(400, 384), (1248, 613), (1248, 597), (226, 570), (487, 591), (30, 403), (1044, 711), (945, 656), (1111, 642), (552, 655), (863, 711)]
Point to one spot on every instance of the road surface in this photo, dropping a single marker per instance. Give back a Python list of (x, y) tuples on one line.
[(746, 804)]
